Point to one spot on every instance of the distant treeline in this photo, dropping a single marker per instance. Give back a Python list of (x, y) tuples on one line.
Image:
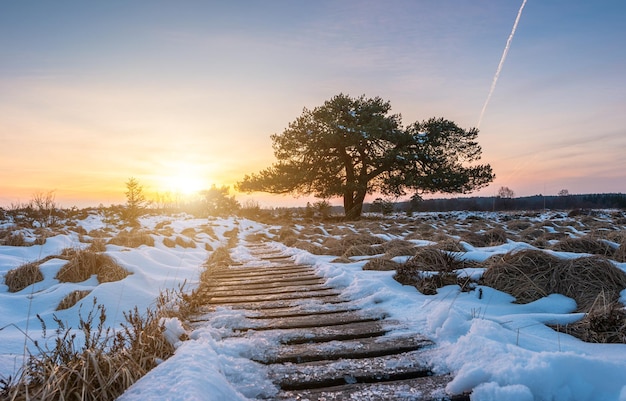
[(494, 203)]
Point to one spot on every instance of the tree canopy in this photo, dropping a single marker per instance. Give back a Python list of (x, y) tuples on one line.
[(351, 147)]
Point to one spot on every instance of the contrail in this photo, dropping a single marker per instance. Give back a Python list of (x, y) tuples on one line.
[(504, 53)]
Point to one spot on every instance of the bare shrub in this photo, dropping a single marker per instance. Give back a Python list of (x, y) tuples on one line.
[(84, 263), (21, 277), (584, 245), (72, 298), (132, 239)]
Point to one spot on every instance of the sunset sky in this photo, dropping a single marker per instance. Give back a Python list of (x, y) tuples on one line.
[(182, 95)]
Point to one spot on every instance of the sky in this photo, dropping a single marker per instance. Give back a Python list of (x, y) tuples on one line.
[(184, 95)]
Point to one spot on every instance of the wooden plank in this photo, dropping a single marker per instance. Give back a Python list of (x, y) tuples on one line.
[(321, 374), (315, 320), (350, 349), (231, 300), (429, 388)]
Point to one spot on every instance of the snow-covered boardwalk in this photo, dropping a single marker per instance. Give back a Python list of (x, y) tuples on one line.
[(322, 346)]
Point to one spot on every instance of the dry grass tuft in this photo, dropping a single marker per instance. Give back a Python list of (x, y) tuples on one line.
[(101, 367), (450, 245), (529, 275), (72, 298), (405, 250), (97, 245), (620, 253), (178, 240), (132, 239), (311, 248), (381, 264), (584, 245), (14, 239), (83, 264), (21, 277), (440, 269), (518, 225), (432, 259), (257, 237), (363, 250), (604, 323), (189, 232), (491, 237), (341, 246)]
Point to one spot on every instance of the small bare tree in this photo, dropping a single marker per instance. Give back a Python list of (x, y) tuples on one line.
[(44, 208), (506, 193)]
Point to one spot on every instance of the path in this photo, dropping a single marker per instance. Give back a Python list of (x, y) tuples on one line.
[(330, 349)]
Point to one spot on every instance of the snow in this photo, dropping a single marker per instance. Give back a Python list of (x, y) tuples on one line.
[(495, 348)]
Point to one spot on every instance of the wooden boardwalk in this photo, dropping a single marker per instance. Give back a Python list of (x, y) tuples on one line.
[(330, 349)]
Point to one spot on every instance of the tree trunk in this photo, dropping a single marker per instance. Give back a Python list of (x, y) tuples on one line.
[(353, 204)]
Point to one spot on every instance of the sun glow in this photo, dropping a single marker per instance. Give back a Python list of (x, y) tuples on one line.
[(184, 180)]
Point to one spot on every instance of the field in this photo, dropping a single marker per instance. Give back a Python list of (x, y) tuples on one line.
[(508, 297)]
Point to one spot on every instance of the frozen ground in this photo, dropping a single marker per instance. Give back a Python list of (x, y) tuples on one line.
[(496, 349)]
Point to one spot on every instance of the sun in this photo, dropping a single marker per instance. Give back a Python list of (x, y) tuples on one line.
[(184, 180)]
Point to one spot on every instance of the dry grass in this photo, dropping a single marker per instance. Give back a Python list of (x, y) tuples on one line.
[(83, 264), (433, 259), (340, 247), (363, 250), (620, 253), (189, 232), (100, 368), (13, 239), (381, 264), (97, 245), (604, 323), (72, 298), (178, 241), (311, 248), (585, 244), (257, 237), (450, 245), (440, 267), (491, 237), (21, 277), (529, 275), (132, 239)]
